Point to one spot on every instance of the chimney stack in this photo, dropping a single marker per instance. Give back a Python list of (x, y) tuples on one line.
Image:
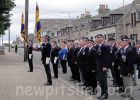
[(82, 15), (103, 9)]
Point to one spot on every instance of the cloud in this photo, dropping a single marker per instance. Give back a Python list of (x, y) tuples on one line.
[(56, 9)]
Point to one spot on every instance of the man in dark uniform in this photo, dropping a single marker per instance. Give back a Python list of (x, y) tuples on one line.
[(46, 51), (117, 64), (82, 59), (127, 66), (132, 44), (30, 56), (76, 50), (102, 59), (113, 49), (91, 68), (138, 58), (70, 59), (54, 58), (16, 48)]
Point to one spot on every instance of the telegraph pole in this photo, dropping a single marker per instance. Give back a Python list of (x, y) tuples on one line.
[(26, 28), (124, 23), (2, 39), (9, 39)]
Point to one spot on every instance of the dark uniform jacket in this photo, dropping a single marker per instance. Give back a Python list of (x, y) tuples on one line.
[(117, 59), (46, 51), (70, 57), (113, 50), (82, 55), (30, 50), (127, 64), (138, 56), (102, 57), (76, 51), (92, 59), (54, 53)]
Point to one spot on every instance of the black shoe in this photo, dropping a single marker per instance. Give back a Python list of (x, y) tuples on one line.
[(120, 91), (124, 96), (135, 84), (99, 97), (81, 85), (88, 88), (91, 93), (79, 80), (131, 98), (85, 88), (75, 82), (29, 71), (64, 72), (105, 96), (71, 80), (48, 83)]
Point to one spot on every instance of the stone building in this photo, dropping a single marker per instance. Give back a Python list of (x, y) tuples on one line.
[(110, 23)]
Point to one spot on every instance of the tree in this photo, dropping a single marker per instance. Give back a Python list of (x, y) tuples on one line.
[(5, 7)]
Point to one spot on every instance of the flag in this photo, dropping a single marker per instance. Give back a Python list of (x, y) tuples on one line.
[(38, 25), (23, 34)]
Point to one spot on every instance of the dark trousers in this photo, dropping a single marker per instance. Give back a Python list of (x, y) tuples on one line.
[(77, 73), (113, 74), (30, 61), (55, 69), (87, 76), (64, 67), (138, 65), (82, 73), (48, 72), (72, 66), (102, 77), (119, 80), (93, 81)]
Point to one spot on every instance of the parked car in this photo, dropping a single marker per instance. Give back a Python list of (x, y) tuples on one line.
[(12, 45), (21, 45), (36, 47)]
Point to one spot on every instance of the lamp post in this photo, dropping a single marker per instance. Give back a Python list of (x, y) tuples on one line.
[(26, 28)]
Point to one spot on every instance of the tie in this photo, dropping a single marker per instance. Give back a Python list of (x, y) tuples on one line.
[(80, 50)]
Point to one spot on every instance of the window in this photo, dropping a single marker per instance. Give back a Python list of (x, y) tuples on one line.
[(134, 19), (134, 37), (102, 21), (113, 19), (139, 15)]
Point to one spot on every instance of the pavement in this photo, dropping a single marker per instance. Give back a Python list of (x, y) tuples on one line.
[(17, 84)]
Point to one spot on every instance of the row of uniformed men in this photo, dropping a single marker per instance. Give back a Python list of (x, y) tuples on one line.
[(90, 60)]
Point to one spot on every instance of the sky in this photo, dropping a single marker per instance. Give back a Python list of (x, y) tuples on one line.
[(56, 9)]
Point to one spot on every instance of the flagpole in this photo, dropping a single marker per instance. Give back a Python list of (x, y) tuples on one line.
[(26, 28)]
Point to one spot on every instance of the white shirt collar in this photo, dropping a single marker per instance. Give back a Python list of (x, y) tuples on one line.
[(126, 47)]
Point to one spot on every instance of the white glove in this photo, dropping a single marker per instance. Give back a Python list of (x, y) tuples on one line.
[(30, 56), (47, 60), (55, 60)]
